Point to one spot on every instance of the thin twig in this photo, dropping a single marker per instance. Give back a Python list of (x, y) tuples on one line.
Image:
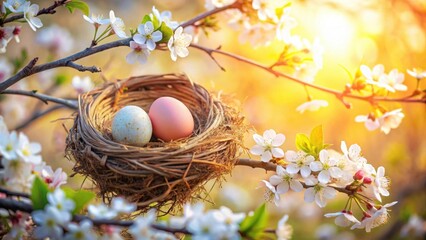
[(82, 68), (48, 10), (36, 116), (44, 98), (338, 94)]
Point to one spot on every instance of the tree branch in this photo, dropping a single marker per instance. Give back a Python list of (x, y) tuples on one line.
[(236, 4), (13, 193), (64, 62), (82, 68), (48, 10), (36, 116), (44, 98), (338, 94)]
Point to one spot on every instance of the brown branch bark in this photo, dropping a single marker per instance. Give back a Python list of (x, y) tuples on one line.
[(44, 98)]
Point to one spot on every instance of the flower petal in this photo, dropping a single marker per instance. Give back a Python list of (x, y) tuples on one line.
[(278, 140), (277, 152)]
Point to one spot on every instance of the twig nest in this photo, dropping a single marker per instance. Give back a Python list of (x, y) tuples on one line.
[(158, 173)]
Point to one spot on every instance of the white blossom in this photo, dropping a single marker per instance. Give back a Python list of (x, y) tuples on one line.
[(391, 120), (259, 34), (50, 222), (393, 81), (265, 9), (327, 166), (141, 228), (117, 25), (3, 126), (30, 15), (373, 76), (97, 20), (164, 16), (56, 39), (370, 122), (318, 192), (284, 231), (81, 231), (28, 151), (312, 105), (378, 217), (284, 26), (140, 53), (381, 184), (211, 4), (6, 34), (268, 146), (343, 218), (299, 162), (16, 6), (230, 219), (82, 85), (147, 35), (58, 200), (101, 211), (417, 73), (120, 205), (178, 44), (206, 226), (284, 181), (9, 144), (271, 192)]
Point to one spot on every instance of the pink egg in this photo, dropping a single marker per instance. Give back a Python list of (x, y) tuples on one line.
[(170, 119)]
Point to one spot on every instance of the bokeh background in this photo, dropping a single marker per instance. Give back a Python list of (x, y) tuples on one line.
[(391, 32)]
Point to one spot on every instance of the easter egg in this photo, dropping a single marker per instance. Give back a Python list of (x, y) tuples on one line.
[(131, 125), (171, 119)]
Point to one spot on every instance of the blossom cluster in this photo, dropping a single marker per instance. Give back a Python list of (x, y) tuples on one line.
[(323, 173), (30, 12)]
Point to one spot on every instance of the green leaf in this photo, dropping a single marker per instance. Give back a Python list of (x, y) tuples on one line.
[(253, 226), (317, 138), (39, 193), (145, 19), (81, 198), (60, 79), (78, 4), (167, 32), (303, 143)]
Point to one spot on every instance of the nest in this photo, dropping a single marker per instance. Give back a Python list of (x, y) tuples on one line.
[(159, 174)]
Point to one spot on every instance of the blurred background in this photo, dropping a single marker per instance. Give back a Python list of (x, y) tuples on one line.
[(391, 32)]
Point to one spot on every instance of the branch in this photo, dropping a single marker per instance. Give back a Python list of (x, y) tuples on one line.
[(36, 116), (16, 205), (48, 10), (338, 94), (31, 69), (272, 167), (44, 98), (13, 194), (236, 4), (82, 68)]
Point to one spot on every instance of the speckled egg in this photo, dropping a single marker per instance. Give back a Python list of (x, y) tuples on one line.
[(131, 125), (171, 119)]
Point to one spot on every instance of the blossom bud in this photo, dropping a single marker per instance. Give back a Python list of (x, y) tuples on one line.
[(367, 180), (17, 30), (359, 175), (369, 206)]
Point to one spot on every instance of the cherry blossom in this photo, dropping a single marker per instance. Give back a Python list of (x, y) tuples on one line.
[(271, 192), (259, 34), (56, 39), (97, 20), (16, 6), (299, 161), (54, 179), (58, 200), (284, 26), (343, 218), (178, 44), (370, 122), (83, 230), (120, 205), (265, 9), (211, 4), (327, 166), (312, 105), (376, 218), (28, 151), (82, 85), (393, 81), (381, 184), (415, 226), (284, 181), (284, 231), (117, 25), (141, 228), (30, 15), (147, 35), (164, 16), (6, 34), (318, 192), (374, 75), (140, 53), (101, 211), (267, 147), (50, 222), (391, 120), (417, 73), (9, 143)]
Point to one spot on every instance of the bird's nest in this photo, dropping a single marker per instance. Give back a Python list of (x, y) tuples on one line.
[(159, 174)]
